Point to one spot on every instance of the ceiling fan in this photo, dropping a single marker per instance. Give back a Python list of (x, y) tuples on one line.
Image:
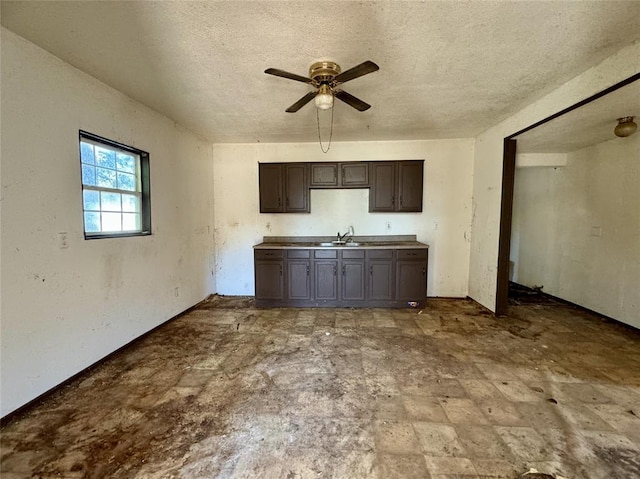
[(326, 77)]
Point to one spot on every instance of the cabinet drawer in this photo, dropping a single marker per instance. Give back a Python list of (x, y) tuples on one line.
[(298, 253), (325, 254), (269, 253), (353, 254), (379, 254), (413, 253)]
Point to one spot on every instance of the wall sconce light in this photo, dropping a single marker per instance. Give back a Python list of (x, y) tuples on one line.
[(625, 127)]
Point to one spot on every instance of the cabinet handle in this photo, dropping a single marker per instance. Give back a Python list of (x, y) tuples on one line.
[(287, 201), (400, 200), (424, 271), (343, 270), (371, 270), (335, 270), (393, 200), (279, 202), (307, 271), (280, 270)]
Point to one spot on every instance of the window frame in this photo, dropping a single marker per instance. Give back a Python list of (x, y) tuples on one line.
[(144, 179)]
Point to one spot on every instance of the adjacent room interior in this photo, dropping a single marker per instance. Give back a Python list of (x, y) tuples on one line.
[(137, 340)]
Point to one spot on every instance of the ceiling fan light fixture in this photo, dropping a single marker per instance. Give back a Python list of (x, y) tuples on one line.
[(324, 98), (625, 127)]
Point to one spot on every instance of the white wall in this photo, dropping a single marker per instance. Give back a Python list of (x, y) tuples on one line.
[(576, 229), (487, 177), (64, 309), (444, 223)]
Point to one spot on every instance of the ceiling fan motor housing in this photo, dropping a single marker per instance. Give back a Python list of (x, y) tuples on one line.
[(323, 72)]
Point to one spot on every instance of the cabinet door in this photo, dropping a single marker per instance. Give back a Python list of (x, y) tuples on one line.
[(354, 174), (409, 190), (296, 188), (353, 277), (324, 175), (383, 184), (325, 280), (271, 188), (298, 279), (269, 279), (411, 280), (380, 280)]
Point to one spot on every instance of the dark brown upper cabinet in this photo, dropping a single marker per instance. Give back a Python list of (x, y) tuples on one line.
[(284, 187), (396, 186), (353, 174)]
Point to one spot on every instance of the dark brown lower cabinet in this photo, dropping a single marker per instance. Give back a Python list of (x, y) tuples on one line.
[(269, 275), (380, 280), (340, 277), (298, 279), (353, 280), (411, 276), (325, 275), (326, 280)]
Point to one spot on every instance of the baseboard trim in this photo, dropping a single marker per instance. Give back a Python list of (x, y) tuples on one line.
[(35, 401)]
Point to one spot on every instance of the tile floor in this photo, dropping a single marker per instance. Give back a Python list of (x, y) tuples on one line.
[(447, 392)]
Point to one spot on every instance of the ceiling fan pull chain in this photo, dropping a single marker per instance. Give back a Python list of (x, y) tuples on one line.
[(330, 131)]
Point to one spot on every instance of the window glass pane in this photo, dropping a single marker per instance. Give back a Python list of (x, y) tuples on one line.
[(91, 200), (86, 153), (126, 181), (88, 175), (110, 201), (111, 222), (112, 186), (92, 222), (106, 178), (130, 203), (126, 162), (105, 157), (130, 222)]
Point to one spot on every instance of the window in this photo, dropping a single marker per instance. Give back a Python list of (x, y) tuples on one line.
[(115, 188)]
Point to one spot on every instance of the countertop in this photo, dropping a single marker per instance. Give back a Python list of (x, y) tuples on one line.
[(366, 242)]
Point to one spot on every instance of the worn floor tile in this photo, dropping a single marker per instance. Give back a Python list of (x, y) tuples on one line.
[(231, 391), (396, 437), (438, 439)]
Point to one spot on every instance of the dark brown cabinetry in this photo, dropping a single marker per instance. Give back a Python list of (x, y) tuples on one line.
[(340, 175), (353, 276), (396, 186), (269, 274), (284, 187), (341, 277), (298, 279), (411, 275), (380, 281), (325, 268)]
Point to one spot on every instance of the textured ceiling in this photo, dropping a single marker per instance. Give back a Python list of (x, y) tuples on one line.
[(588, 125), (447, 69)]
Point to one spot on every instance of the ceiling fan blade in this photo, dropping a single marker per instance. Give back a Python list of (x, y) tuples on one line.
[(301, 102), (352, 100), (290, 76), (357, 71)]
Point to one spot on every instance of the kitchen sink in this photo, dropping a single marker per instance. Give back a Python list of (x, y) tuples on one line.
[(339, 243)]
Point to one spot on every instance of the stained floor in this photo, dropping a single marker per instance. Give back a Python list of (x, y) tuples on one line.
[(230, 391)]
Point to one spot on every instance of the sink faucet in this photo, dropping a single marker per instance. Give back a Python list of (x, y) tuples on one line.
[(348, 233)]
